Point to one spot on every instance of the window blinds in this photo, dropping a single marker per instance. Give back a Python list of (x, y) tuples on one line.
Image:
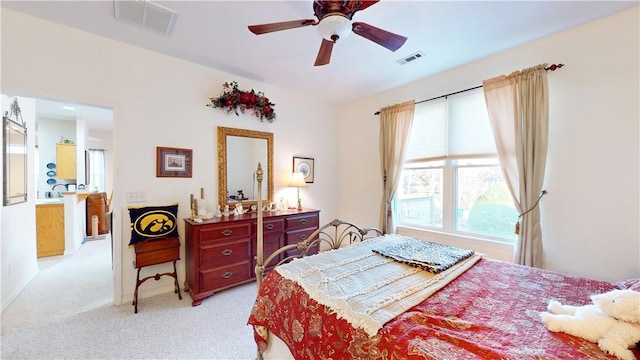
[(455, 127)]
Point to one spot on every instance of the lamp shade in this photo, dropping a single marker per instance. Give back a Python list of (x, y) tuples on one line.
[(334, 24), (297, 180)]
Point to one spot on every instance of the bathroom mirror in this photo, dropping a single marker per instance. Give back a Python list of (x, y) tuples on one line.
[(14, 151), (239, 152)]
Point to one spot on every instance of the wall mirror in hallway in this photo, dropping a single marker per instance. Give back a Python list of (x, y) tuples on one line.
[(14, 150)]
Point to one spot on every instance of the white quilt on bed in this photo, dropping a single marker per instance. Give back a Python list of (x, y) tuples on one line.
[(365, 288)]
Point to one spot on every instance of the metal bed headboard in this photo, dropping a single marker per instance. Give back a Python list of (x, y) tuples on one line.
[(327, 237)]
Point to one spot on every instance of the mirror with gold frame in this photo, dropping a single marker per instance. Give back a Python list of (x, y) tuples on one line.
[(239, 152)]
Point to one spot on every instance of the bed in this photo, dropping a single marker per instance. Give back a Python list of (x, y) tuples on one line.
[(477, 309)]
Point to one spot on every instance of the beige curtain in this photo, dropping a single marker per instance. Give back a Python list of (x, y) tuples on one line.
[(518, 108), (395, 127)]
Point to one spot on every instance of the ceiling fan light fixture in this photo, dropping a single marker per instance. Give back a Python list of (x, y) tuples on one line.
[(335, 24)]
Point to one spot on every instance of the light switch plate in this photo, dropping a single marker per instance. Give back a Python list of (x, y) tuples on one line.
[(137, 196)]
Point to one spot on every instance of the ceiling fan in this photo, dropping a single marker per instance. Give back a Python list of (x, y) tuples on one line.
[(334, 22)]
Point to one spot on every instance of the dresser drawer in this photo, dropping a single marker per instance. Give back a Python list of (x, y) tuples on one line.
[(276, 225), (223, 252), (271, 243), (296, 253), (219, 277), (230, 231), (302, 221), (293, 237)]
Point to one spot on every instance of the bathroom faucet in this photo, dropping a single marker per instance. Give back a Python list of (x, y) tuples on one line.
[(54, 188)]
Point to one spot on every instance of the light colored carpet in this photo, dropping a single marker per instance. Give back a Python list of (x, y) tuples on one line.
[(66, 312)]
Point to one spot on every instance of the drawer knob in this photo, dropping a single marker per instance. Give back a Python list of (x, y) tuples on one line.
[(227, 252), (303, 237), (227, 274), (303, 221), (269, 226), (226, 232)]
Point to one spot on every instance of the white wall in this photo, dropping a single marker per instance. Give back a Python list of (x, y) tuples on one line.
[(590, 217), (160, 101), (18, 263)]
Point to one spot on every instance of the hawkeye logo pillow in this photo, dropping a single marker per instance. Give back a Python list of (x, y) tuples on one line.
[(153, 222)]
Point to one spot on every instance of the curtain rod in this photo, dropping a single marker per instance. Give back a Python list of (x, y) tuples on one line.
[(553, 67)]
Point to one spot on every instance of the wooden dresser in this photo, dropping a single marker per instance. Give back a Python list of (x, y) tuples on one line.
[(220, 253)]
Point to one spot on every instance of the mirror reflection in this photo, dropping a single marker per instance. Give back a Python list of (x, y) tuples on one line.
[(239, 152), (15, 162)]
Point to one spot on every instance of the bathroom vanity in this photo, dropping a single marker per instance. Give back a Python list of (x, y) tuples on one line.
[(50, 227), (60, 223)]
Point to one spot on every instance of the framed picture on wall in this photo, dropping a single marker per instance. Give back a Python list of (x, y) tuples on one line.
[(173, 162), (305, 166)]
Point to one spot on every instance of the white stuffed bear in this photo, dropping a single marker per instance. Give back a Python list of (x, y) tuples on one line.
[(612, 321)]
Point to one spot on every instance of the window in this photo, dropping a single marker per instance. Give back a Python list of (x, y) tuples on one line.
[(451, 180), (97, 169), (419, 198)]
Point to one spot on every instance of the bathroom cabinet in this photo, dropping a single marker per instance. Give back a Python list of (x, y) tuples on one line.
[(50, 229), (66, 158)]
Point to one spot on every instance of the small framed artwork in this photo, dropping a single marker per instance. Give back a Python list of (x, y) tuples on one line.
[(305, 166), (173, 162)]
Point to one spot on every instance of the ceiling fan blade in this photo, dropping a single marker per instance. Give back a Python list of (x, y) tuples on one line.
[(381, 37), (284, 25), (361, 5), (324, 55)]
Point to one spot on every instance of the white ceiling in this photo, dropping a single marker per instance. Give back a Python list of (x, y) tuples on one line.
[(449, 33), (95, 118)]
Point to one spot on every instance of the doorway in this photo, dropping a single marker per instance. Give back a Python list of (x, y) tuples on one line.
[(91, 129)]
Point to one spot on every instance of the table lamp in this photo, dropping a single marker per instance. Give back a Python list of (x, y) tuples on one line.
[(297, 181)]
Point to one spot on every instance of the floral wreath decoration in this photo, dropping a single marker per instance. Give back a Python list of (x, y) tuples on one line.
[(231, 100)]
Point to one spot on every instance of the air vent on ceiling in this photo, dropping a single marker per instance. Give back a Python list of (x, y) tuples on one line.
[(411, 58), (145, 14)]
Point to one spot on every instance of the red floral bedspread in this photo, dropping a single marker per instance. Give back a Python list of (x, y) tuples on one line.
[(489, 312)]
